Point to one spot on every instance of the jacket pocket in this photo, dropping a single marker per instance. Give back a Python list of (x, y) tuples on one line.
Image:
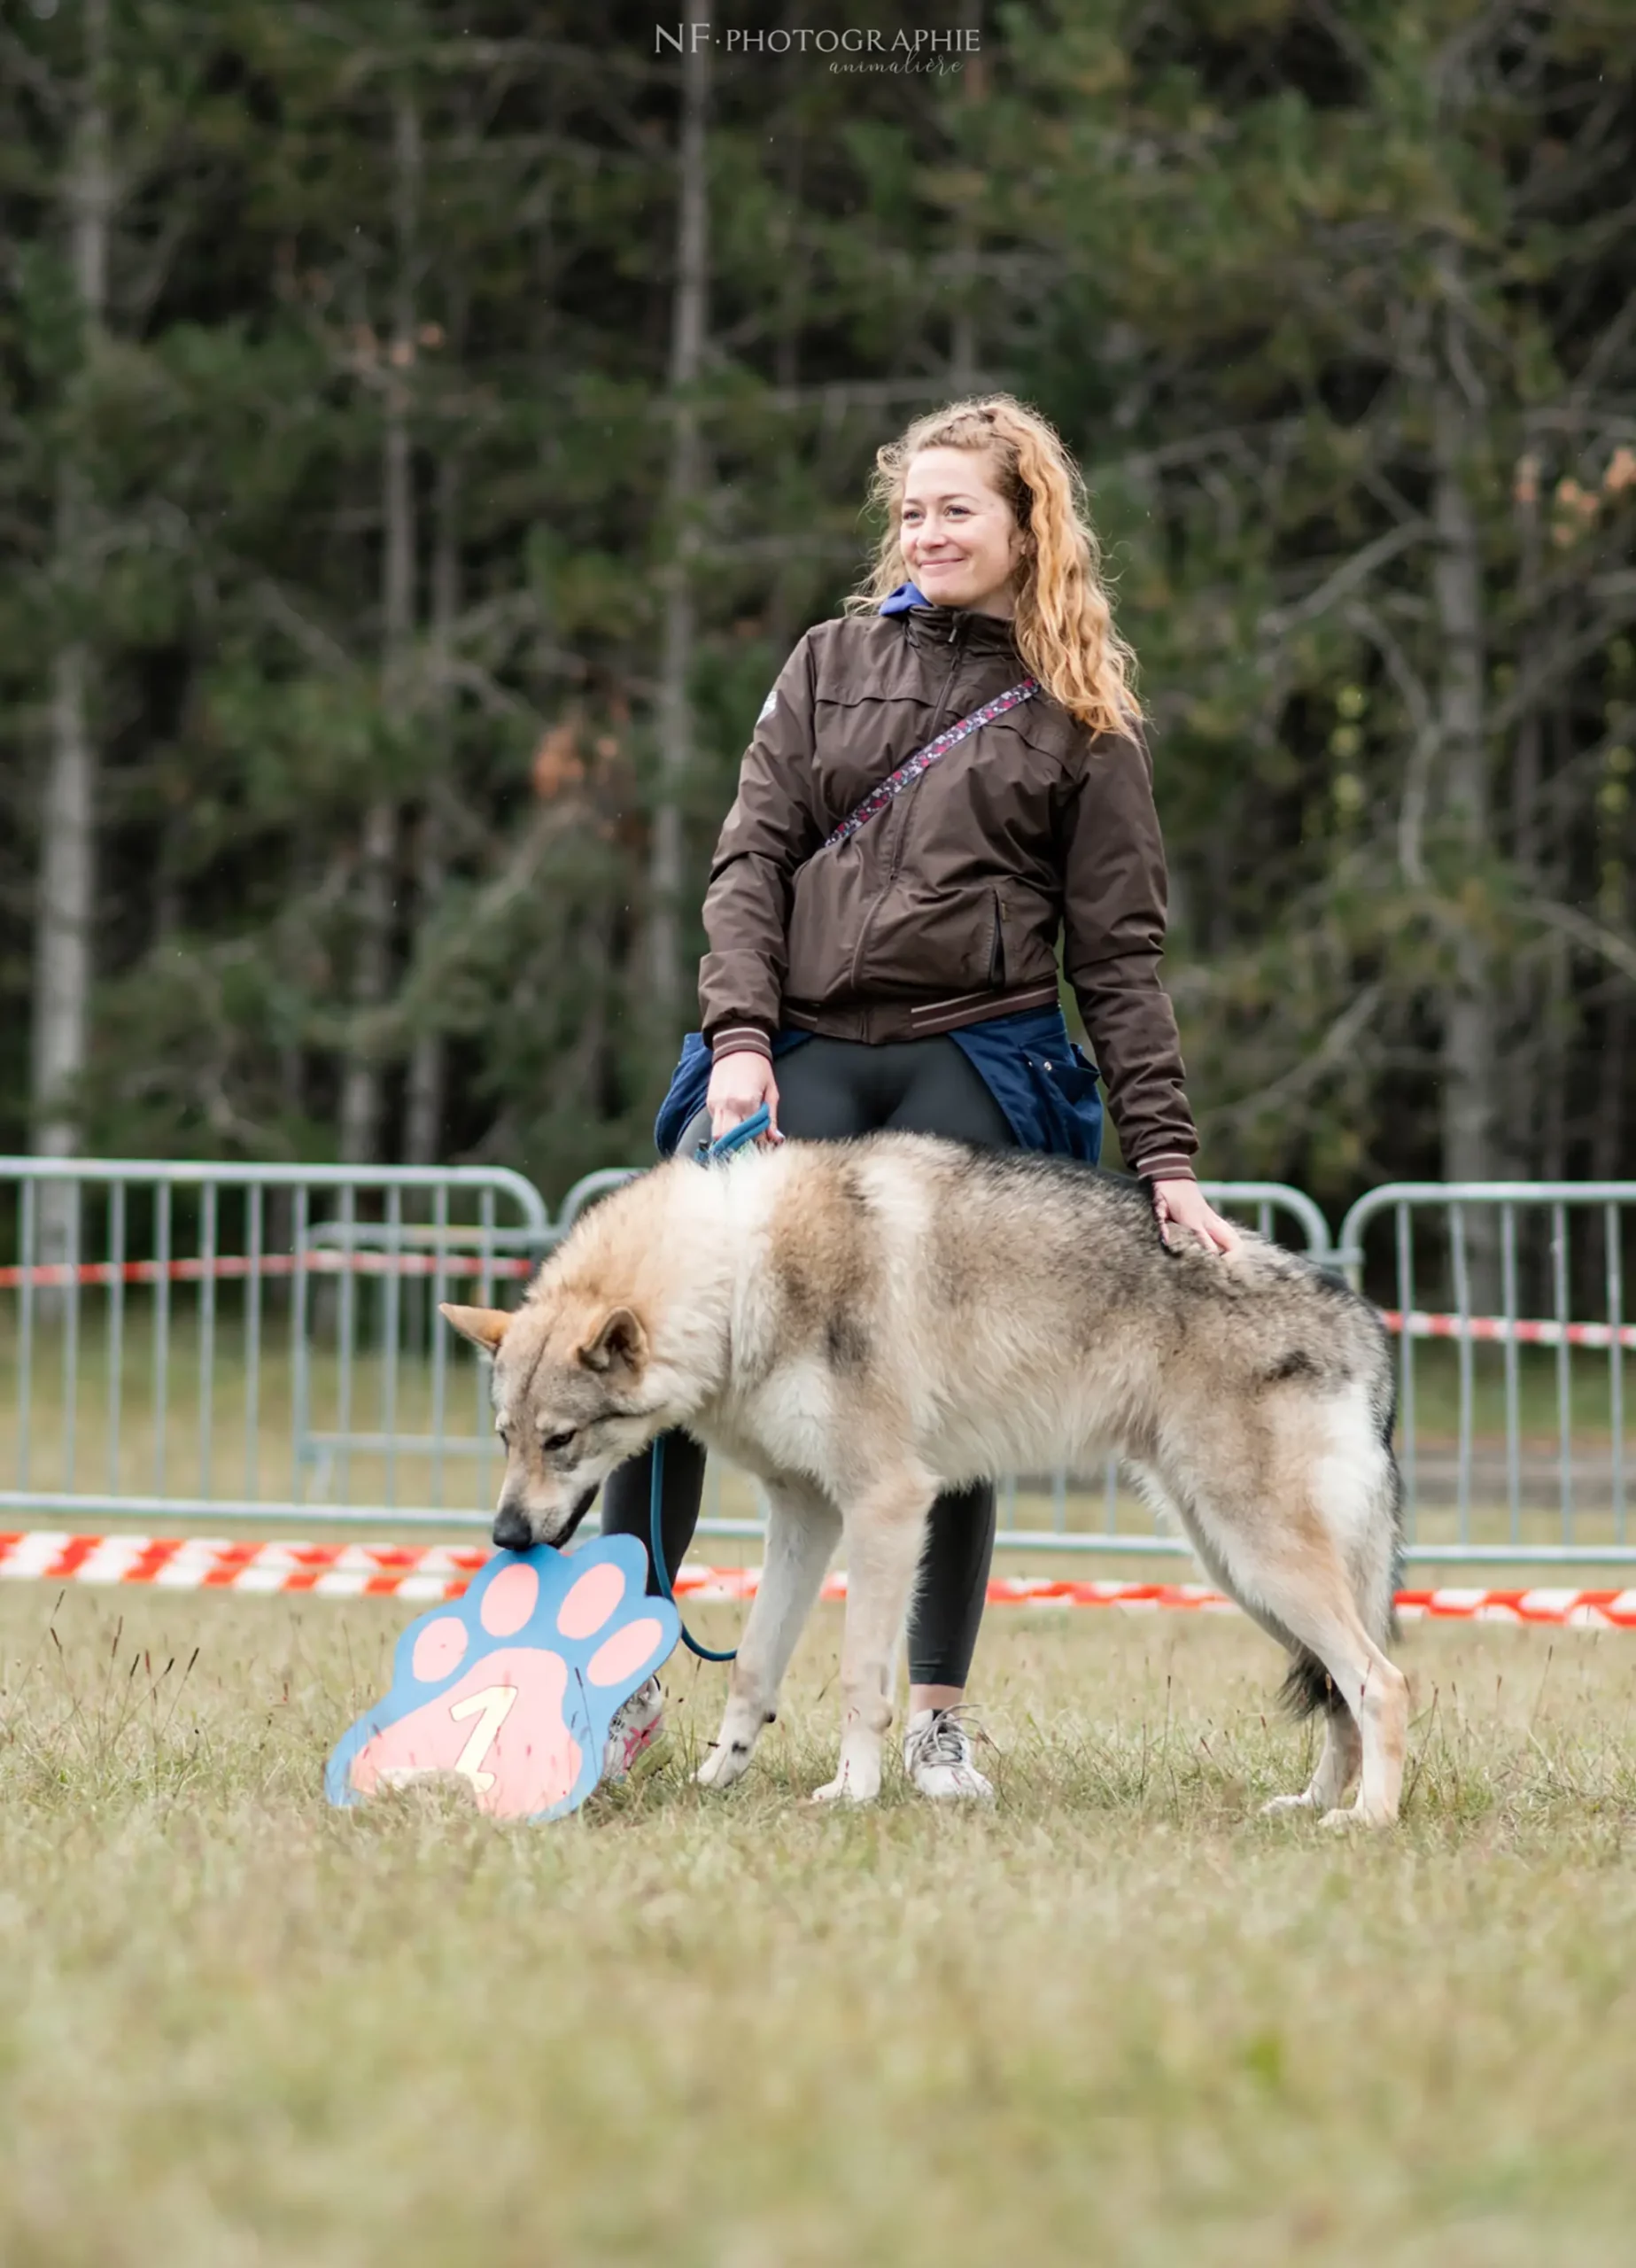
[(921, 939), (997, 953)]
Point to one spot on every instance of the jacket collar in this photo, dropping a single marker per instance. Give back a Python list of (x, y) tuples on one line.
[(944, 625)]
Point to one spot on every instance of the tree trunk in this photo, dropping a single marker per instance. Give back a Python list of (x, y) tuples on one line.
[(1457, 582), (1470, 1039), (360, 1094), (1557, 1014), (963, 328), (63, 923), (684, 487), (789, 572), (1526, 1001), (428, 1062), (64, 907)]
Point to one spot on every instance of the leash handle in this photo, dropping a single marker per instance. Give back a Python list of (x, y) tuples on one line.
[(738, 1137)]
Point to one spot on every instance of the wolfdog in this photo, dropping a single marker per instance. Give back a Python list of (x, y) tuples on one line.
[(864, 1324)]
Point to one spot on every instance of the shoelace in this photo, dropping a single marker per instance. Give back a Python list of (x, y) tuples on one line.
[(946, 1739), (625, 1715)]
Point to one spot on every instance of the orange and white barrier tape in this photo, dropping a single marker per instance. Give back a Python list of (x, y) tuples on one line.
[(233, 1267), (424, 1573), (1575, 1609), (1501, 1328), (409, 1570)]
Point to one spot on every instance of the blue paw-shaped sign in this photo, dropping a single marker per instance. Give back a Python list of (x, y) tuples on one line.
[(514, 1685)]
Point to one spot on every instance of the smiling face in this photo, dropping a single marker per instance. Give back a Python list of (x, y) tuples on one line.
[(569, 1405), (959, 535)]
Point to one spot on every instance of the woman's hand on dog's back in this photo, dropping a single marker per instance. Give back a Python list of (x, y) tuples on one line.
[(1185, 1203), (740, 1083)]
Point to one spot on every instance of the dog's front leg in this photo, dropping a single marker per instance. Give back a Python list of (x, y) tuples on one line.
[(886, 1533), (802, 1526)]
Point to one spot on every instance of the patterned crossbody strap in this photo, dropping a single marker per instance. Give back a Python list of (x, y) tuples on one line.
[(907, 772)]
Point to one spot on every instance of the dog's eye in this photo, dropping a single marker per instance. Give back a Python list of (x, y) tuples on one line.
[(558, 1441)]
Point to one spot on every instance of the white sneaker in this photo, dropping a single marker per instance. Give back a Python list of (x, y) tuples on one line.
[(637, 1723), (937, 1756)]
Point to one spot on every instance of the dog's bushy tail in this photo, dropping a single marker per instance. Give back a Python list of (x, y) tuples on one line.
[(1309, 1687)]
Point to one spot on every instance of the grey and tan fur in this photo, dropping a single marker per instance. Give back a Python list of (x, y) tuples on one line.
[(864, 1324)]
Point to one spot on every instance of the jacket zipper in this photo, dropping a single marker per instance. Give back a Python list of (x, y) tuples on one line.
[(957, 631)]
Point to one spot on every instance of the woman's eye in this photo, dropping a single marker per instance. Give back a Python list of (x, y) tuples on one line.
[(558, 1441)]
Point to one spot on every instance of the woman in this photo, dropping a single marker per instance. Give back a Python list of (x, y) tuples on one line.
[(906, 975)]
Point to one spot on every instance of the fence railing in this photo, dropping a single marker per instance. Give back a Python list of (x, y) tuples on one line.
[(204, 1340), (1508, 1302), (189, 1342), (261, 1343)]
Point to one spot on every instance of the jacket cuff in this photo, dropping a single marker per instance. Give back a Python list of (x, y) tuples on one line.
[(739, 1039), (1166, 1165)]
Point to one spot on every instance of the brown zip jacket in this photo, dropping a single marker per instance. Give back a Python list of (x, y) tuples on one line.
[(946, 908)]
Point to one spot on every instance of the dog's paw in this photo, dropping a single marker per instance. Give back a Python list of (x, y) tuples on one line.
[(724, 1764), (858, 1776), (1281, 1806), (854, 1784), (730, 1755), (1354, 1815), (514, 1687)]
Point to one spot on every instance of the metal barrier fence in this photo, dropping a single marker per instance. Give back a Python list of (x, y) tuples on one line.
[(261, 1343), (1508, 1301), (190, 1341), (201, 1340)]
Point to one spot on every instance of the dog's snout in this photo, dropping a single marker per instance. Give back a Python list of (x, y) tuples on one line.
[(512, 1531)]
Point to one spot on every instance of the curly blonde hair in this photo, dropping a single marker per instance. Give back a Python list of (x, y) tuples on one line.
[(1063, 622)]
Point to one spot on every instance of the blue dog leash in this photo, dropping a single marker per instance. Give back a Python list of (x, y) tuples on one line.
[(751, 1130)]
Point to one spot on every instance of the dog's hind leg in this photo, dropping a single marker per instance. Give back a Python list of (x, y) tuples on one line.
[(1337, 1767), (1286, 1570), (1377, 1692), (884, 1533), (803, 1528)]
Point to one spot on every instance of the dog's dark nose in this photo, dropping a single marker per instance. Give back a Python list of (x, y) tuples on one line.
[(512, 1531)]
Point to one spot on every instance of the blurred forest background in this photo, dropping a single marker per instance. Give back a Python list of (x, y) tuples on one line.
[(426, 428)]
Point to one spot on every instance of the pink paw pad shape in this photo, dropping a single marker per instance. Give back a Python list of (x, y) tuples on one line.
[(513, 1687)]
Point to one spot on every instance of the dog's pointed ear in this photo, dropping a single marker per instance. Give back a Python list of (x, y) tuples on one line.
[(620, 1339), (485, 1327)]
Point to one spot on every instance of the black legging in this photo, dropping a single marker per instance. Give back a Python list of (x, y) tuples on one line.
[(829, 1089)]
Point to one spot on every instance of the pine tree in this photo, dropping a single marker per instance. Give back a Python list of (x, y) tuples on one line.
[(1336, 293)]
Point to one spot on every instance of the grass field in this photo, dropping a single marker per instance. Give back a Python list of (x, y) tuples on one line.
[(1118, 2019)]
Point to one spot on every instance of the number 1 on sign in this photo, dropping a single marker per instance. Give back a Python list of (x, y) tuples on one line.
[(490, 1708)]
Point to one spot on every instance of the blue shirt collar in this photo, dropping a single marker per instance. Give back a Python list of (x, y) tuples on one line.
[(902, 599)]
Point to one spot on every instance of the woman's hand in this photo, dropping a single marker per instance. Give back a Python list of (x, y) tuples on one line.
[(1184, 1203), (740, 1083)]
